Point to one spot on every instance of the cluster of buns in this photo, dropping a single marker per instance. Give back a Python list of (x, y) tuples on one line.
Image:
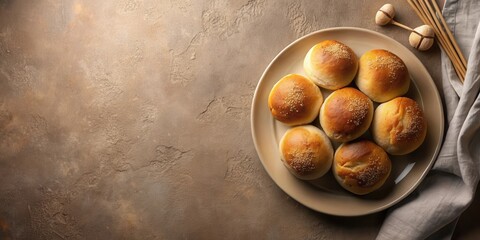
[(359, 165)]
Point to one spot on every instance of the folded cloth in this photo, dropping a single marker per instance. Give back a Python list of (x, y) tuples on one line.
[(432, 210)]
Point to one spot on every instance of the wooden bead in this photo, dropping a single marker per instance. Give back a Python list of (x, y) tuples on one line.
[(385, 14), (422, 37)]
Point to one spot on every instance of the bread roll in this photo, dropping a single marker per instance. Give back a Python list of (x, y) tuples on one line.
[(331, 64), (295, 100), (399, 126), (306, 151), (346, 114), (361, 167), (382, 75)]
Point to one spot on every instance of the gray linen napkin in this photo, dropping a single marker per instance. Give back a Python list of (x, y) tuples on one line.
[(433, 209)]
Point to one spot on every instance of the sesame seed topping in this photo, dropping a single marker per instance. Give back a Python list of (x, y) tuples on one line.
[(371, 173), (358, 107), (302, 161), (392, 64), (294, 99), (338, 50), (414, 124)]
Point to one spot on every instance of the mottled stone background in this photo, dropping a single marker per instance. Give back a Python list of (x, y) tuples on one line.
[(130, 119)]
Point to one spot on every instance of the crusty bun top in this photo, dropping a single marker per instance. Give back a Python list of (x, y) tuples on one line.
[(361, 167), (331, 64), (295, 100), (399, 126), (382, 75), (306, 152), (346, 114)]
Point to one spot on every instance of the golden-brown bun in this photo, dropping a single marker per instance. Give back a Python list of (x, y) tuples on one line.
[(382, 75), (361, 167), (399, 126), (295, 100), (346, 114), (306, 152), (331, 64)]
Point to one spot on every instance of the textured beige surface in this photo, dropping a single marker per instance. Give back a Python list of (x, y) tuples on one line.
[(129, 119)]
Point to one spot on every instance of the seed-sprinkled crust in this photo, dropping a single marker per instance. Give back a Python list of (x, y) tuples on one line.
[(331, 64), (295, 100), (346, 114), (361, 167), (399, 126), (306, 152), (382, 75)]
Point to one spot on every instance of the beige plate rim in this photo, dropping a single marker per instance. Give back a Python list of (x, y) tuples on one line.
[(265, 134)]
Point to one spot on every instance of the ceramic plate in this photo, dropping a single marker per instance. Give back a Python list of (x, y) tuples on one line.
[(325, 195)]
